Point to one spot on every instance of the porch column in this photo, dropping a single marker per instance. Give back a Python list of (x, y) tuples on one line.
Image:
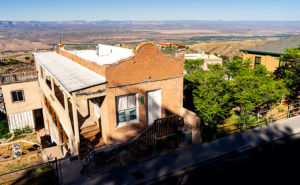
[(75, 120), (52, 87), (66, 103)]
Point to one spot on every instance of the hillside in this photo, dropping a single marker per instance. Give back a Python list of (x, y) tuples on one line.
[(18, 45), (230, 48)]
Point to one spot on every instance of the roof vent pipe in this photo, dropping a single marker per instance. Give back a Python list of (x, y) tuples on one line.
[(97, 48)]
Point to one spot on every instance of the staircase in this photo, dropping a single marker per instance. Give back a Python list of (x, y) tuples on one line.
[(90, 134)]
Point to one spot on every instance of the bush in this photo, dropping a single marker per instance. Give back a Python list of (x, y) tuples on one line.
[(17, 132), (7, 135), (3, 128), (280, 109), (9, 62), (25, 130), (27, 58)]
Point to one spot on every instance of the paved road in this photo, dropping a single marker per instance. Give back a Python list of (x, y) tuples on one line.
[(272, 163)]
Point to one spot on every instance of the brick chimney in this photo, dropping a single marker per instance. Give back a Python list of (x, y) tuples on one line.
[(58, 47)]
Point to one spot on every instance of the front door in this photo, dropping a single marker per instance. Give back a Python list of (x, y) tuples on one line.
[(153, 106)]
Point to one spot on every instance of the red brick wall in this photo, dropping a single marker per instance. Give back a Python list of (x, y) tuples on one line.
[(146, 64), (171, 100)]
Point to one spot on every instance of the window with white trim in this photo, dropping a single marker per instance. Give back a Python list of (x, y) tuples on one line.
[(127, 109)]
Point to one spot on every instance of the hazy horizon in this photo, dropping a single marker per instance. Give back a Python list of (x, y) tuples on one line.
[(103, 20)]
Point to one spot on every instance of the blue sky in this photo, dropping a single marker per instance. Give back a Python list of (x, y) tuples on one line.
[(90, 10)]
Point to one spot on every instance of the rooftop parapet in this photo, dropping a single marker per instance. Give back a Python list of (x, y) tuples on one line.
[(9, 78)]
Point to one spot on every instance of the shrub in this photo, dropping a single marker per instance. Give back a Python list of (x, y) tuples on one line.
[(25, 130), (280, 109), (17, 132), (7, 135), (3, 128)]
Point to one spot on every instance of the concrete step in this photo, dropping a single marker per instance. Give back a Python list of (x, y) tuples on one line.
[(89, 128), (90, 139), (93, 137), (90, 133), (87, 122)]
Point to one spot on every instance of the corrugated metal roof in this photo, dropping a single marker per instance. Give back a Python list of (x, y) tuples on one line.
[(276, 47), (70, 75)]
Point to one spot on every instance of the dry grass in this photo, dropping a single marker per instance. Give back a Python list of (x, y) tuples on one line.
[(230, 125), (16, 165), (20, 163), (29, 159), (7, 149), (28, 137)]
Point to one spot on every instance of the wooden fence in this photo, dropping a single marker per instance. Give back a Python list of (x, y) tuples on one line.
[(249, 122)]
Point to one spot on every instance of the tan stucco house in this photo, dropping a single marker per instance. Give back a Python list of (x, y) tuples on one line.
[(268, 54), (21, 97), (108, 95)]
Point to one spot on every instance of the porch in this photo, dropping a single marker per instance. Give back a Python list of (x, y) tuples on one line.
[(65, 114)]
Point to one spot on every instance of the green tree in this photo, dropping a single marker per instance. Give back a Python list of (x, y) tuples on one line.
[(3, 128), (213, 94), (254, 88), (190, 81), (217, 91), (192, 65), (225, 59), (290, 72), (27, 58), (237, 66)]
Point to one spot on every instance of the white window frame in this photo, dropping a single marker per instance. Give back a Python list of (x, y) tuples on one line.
[(121, 124)]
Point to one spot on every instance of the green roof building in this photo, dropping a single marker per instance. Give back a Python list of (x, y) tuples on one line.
[(268, 54)]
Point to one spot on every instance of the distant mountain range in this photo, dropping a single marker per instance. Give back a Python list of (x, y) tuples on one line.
[(216, 25), (30, 35)]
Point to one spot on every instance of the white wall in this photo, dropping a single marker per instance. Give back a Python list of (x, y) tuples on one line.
[(21, 120), (53, 128)]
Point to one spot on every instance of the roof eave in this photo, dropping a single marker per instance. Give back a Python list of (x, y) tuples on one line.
[(261, 52), (72, 91)]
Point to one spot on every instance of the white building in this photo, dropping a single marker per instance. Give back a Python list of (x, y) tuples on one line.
[(208, 59)]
